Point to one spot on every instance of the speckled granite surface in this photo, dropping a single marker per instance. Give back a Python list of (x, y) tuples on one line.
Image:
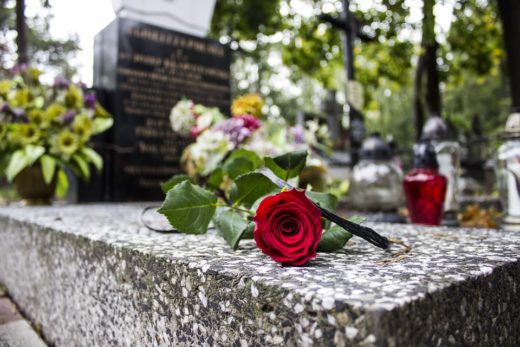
[(93, 276)]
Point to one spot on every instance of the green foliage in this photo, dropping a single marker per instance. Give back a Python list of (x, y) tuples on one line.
[(245, 19), (43, 49), (333, 239), (474, 42), (21, 159), (189, 208), (173, 181), (250, 187), (287, 165), (240, 162), (48, 164), (231, 225), (51, 122), (62, 184), (326, 200)]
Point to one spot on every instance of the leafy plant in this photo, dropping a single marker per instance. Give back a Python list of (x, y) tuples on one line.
[(48, 126)]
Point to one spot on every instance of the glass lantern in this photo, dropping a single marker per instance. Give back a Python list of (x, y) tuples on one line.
[(376, 181), (448, 156), (508, 170)]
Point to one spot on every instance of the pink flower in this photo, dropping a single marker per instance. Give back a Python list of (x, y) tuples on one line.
[(239, 128)]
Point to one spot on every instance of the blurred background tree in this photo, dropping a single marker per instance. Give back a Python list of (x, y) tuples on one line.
[(284, 52), (41, 48), (291, 58)]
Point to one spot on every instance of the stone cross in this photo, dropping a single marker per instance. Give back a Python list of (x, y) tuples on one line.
[(349, 26)]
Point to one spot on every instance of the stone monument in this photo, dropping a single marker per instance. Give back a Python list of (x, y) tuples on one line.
[(140, 72)]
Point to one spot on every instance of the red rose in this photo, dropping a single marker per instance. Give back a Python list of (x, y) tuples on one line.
[(288, 227)]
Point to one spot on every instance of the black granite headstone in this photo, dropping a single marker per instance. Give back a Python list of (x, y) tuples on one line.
[(141, 71)]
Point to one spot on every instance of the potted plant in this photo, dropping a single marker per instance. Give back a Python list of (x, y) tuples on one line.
[(45, 129)]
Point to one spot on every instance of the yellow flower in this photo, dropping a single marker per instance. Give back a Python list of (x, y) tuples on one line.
[(33, 74), (100, 111), (3, 130), (248, 104), (54, 111), (73, 97), (5, 87), (37, 117), (19, 98), (65, 143), (82, 127), (25, 134)]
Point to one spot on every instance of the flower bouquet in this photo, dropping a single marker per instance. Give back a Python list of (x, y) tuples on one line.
[(216, 137), (44, 130)]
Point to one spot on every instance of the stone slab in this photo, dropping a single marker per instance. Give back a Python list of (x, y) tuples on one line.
[(93, 275), (8, 312), (14, 330), (19, 334)]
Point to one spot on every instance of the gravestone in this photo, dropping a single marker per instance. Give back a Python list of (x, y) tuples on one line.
[(95, 276), (141, 71)]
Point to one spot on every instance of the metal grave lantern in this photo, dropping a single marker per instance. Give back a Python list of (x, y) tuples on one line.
[(508, 170), (448, 156), (376, 179)]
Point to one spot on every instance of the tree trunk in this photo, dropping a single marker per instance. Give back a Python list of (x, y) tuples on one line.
[(21, 28), (427, 96), (510, 14), (418, 110)]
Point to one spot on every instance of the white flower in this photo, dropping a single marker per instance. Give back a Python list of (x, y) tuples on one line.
[(209, 150), (209, 116), (181, 117)]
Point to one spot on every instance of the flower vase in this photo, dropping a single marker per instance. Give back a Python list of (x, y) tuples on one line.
[(31, 187)]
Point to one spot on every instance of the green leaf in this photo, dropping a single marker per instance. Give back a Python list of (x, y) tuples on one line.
[(357, 219), (82, 165), (173, 181), (235, 167), (62, 184), (17, 163), (33, 153), (248, 233), (189, 208), (101, 124), (215, 179), (48, 167), (93, 157), (231, 225), (333, 239), (326, 200), (22, 159), (287, 165), (249, 155), (249, 187)]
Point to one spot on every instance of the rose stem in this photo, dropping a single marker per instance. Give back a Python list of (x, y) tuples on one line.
[(356, 229)]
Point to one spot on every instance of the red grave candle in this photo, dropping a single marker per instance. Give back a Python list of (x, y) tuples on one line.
[(425, 187)]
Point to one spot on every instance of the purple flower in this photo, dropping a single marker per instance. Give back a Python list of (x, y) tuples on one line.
[(19, 113), (68, 117), (297, 131), (61, 82), (90, 100), (5, 108), (239, 128), (81, 85), (19, 68)]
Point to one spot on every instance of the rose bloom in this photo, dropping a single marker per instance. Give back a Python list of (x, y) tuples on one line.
[(288, 227)]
